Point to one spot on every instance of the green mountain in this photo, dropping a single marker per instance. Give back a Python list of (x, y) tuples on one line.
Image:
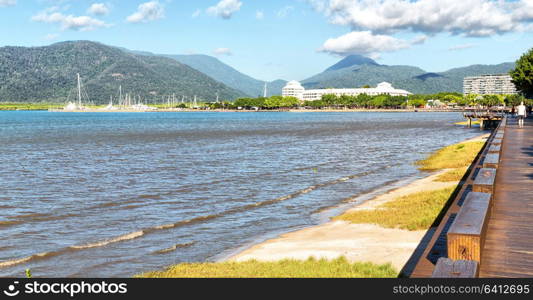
[(223, 73), (229, 76), (49, 74), (352, 60), (357, 71)]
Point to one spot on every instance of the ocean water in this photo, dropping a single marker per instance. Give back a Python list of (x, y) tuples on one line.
[(116, 194)]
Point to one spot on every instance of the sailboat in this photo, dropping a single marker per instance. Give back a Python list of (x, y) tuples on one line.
[(110, 105), (71, 106)]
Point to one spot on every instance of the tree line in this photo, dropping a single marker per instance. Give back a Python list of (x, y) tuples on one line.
[(364, 101)]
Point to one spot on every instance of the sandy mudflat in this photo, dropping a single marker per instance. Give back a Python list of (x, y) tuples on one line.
[(357, 242)]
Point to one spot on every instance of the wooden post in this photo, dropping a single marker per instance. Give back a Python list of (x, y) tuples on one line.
[(466, 236)]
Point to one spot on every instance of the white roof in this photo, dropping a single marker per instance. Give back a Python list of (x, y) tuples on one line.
[(293, 84)]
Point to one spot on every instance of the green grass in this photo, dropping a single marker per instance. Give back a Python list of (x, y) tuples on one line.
[(30, 106), (455, 156), (466, 123), (311, 268), (452, 175), (411, 212)]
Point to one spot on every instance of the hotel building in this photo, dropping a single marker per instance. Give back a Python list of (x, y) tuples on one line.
[(498, 84), (295, 89)]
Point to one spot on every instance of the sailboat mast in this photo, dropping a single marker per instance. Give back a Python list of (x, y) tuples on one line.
[(79, 90), (265, 91), (120, 95)]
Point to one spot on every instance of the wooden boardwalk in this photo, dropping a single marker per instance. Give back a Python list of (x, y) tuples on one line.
[(508, 250)]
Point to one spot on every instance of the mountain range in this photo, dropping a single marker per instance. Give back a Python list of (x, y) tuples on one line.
[(229, 76), (223, 73), (40, 74), (356, 71), (48, 73)]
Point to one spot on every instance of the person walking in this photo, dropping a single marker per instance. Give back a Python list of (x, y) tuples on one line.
[(521, 115)]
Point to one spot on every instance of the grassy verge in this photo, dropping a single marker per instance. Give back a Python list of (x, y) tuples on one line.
[(411, 212), (466, 123), (451, 157), (456, 157), (452, 175), (418, 211), (311, 268), (30, 106)]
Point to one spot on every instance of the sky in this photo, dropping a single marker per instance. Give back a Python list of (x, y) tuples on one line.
[(285, 39)]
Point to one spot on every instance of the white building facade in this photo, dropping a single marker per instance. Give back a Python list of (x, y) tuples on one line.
[(497, 84), (295, 89)]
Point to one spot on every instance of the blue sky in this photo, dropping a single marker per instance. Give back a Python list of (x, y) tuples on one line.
[(287, 39)]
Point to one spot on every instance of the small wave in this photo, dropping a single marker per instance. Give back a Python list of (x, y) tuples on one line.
[(174, 248), (21, 219), (184, 222), (10, 223), (44, 255), (113, 204), (54, 218), (149, 197), (126, 237), (364, 196), (10, 263), (28, 216), (143, 232)]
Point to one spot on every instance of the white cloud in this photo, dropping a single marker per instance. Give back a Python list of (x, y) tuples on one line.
[(419, 39), (379, 19), (225, 8), (364, 43), (460, 17), (7, 3), (196, 13), (99, 9), (523, 11), (375, 56), (146, 12), (285, 11), (222, 51), (259, 15), (461, 47), (79, 23)]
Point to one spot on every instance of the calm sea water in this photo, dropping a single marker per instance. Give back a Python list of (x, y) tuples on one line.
[(116, 194)]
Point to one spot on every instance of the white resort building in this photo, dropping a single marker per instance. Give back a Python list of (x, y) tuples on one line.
[(500, 84), (295, 89)]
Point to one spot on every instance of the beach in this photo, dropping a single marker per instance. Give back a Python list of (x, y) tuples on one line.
[(356, 242)]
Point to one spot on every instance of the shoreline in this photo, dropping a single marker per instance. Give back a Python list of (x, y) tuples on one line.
[(419, 110), (356, 242)]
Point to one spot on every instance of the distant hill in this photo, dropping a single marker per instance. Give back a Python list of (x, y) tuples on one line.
[(216, 69), (49, 74), (220, 71), (351, 61), (357, 71), (359, 75)]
